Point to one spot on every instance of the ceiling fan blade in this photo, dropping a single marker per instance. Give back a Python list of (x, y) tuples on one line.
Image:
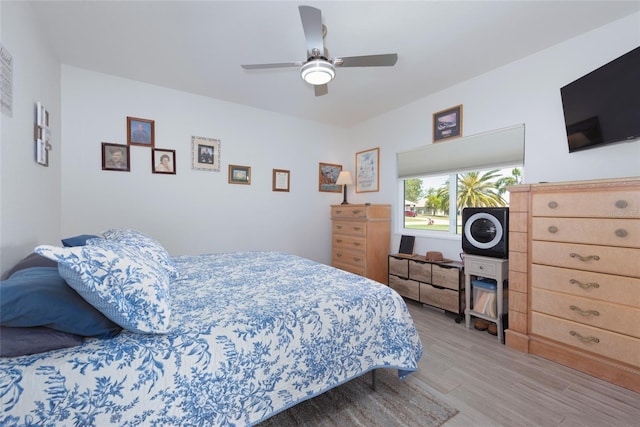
[(275, 65), (312, 26), (321, 90), (384, 60)]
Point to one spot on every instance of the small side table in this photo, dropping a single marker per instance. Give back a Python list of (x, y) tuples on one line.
[(490, 268)]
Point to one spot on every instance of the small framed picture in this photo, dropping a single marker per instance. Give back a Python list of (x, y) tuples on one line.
[(205, 153), (163, 161), (368, 170), (239, 174), (42, 154), (115, 157), (140, 132), (327, 177), (447, 124), (281, 180)]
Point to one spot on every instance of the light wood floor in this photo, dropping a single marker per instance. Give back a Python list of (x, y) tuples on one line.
[(493, 385)]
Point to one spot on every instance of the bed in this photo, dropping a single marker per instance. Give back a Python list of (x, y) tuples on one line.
[(242, 337)]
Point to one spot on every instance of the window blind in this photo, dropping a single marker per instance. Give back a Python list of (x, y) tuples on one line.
[(498, 148)]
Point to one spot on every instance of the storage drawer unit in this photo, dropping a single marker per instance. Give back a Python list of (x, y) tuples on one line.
[(440, 285)]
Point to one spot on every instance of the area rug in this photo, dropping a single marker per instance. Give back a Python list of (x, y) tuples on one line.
[(393, 403)]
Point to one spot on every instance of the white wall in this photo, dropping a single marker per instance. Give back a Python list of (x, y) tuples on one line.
[(194, 211), (526, 91), (29, 193)]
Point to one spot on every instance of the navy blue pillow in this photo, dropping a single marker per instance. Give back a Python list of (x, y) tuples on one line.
[(21, 341), (79, 240), (38, 296)]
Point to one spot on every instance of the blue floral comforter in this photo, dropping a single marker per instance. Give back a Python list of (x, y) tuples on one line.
[(253, 333)]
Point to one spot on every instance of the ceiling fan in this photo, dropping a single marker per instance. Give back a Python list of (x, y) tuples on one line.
[(319, 69)]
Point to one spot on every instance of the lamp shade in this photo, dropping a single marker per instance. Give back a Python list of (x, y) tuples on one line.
[(344, 178), (318, 72)]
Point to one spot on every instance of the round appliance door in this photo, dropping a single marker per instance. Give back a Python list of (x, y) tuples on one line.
[(483, 230)]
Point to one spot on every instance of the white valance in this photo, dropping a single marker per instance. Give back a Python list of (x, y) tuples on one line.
[(498, 148)]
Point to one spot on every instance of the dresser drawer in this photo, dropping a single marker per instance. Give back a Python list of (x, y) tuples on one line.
[(598, 286), (353, 243), (480, 268), (351, 268), (345, 256), (348, 212), (620, 261), (420, 271), (605, 343), (352, 228), (595, 231), (602, 204), (399, 267), (445, 277), (613, 317), (406, 288), (444, 298)]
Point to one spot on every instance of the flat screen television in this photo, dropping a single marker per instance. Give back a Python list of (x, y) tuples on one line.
[(603, 107)]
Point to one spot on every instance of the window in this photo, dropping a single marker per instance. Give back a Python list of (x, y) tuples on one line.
[(435, 203)]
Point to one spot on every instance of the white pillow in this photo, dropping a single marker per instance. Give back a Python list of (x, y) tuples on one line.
[(144, 243), (130, 289)]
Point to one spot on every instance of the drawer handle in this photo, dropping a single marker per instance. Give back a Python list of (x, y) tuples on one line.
[(585, 312), (584, 339), (553, 229), (357, 212), (356, 243), (584, 258), (338, 211), (339, 255), (357, 259), (339, 240), (621, 232), (357, 228), (553, 205), (339, 227), (621, 204), (584, 285)]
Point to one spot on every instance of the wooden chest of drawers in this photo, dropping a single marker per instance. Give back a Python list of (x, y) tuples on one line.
[(582, 295), (361, 238)]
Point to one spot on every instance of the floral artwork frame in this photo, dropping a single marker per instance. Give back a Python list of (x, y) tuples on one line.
[(111, 161), (368, 170), (141, 132), (239, 174), (447, 124), (281, 180), (205, 153), (327, 177), (158, 163)]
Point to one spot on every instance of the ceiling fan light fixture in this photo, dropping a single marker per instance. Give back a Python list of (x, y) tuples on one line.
[(318, 72)]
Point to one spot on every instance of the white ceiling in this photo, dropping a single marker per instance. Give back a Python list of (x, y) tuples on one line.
[(198, 46)]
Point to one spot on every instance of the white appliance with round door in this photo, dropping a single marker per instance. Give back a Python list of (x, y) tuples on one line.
[(485, 232)]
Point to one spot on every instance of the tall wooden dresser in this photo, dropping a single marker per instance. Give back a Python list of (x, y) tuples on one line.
[(361, 238), (577, 276)]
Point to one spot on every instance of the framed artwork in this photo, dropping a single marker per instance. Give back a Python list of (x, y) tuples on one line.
[(368, 171), (327, 177), (281, 180), (140, 132), (115, 157), (447, 123), (163, 161), (239, 174), (205, 153)]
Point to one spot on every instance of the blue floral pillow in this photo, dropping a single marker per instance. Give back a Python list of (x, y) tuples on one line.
[(129, 289), (144, 243)]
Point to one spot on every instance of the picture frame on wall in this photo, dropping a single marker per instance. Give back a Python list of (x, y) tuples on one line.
[(115, 157), (239, 174), (447, 124), (368, 171), (163, 161), (327, 177), (140, 132), (205, 153), (281, 180)]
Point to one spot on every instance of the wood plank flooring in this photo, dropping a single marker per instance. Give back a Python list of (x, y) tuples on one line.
[(493, 385)]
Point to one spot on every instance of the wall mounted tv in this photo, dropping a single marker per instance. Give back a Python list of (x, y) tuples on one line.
[(603, 107)]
